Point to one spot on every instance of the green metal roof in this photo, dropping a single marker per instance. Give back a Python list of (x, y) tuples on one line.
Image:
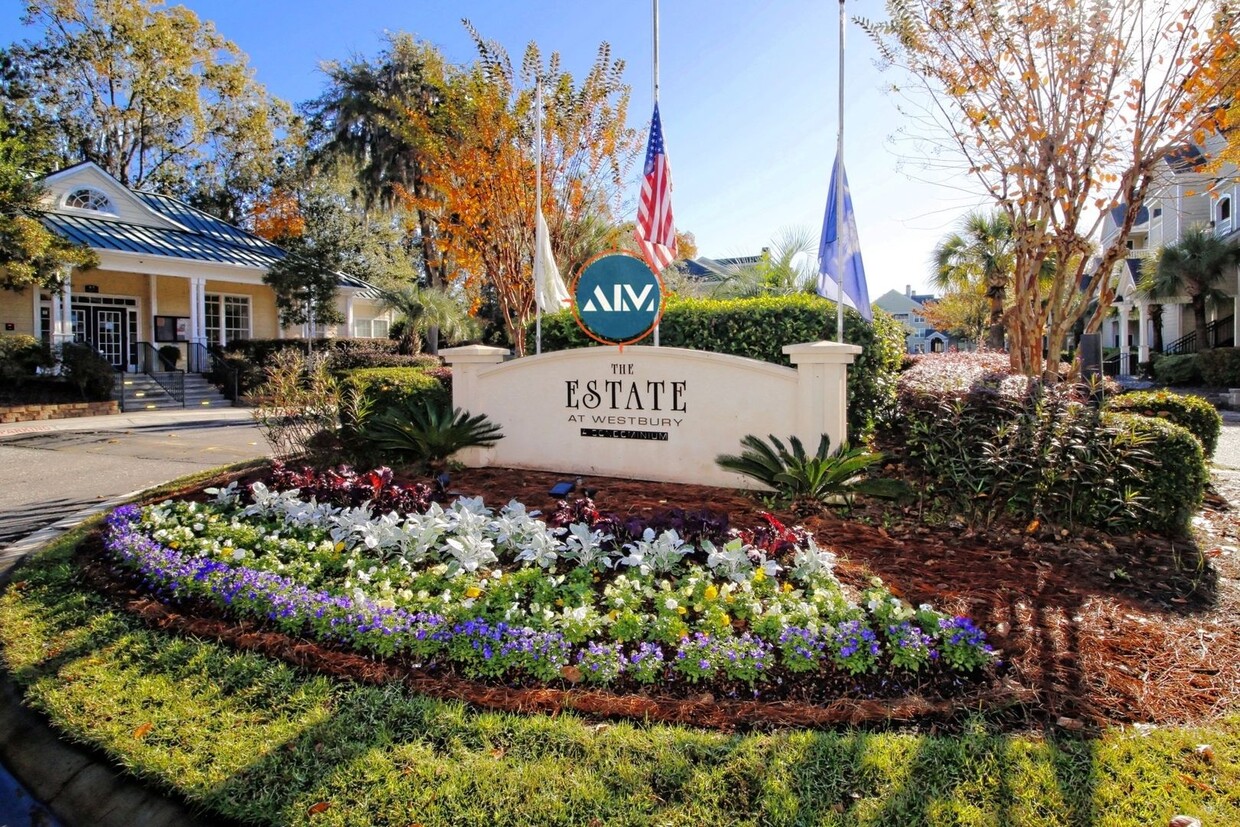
[(205, 237)]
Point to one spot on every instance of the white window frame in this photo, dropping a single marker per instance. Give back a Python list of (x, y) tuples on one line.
[(96, 201), (221, 337)]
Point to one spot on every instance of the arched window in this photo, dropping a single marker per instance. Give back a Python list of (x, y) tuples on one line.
[(89, 199)]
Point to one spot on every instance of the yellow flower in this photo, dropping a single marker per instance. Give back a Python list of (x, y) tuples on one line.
[(711, 592), (340, 546), (759, 575), (724, 621), (174, 545), (473, 591), (787, 587), (681, 610), (559, 601)]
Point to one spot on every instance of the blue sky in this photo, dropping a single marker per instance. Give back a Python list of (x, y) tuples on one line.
[(747, 94)]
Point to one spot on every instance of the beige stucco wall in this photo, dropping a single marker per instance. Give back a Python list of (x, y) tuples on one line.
[(17, 309), (262, 305), (647, 412)]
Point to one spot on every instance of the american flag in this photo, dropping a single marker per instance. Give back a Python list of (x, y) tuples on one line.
[(656, 232)]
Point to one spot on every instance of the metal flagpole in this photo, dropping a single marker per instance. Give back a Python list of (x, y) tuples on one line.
[(537, 207), (839, 199), (656, 103)]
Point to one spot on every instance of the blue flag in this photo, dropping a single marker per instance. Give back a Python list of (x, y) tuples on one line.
[(843, 247)]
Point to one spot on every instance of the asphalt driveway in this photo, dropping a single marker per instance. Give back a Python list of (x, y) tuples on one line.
[(49, 470)]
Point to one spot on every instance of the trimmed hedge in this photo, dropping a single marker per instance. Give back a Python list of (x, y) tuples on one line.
[(989, 444), (1178, 369), (1191, 412), (388, 387), (759, 328), (1220, 367), (1172, 481)]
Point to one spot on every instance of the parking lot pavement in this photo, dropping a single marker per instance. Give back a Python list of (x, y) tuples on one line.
[(49, 470)]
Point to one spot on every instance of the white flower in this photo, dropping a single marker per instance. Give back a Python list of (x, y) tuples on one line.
[(585, 547), (671, 603)]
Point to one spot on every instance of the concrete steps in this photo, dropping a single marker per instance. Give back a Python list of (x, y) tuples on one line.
[(142, 392)]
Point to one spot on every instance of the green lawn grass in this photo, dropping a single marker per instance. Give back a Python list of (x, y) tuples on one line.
[(259, 741)]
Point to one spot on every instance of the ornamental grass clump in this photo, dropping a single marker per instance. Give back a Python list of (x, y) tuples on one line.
[(500, 596)]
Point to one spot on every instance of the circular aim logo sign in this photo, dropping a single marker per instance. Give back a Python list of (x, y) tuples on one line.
[(617, 299)]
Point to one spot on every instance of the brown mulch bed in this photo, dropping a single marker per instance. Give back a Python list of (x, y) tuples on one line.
[(1102, 629), (1094, 630)]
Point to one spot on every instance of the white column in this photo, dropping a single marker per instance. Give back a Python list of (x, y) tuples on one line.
[(153, 300), (36, 323), (1143, 336), (1123, 341), (57, 320), (62, 310), (348, 317), (198, 310), (822, 389)]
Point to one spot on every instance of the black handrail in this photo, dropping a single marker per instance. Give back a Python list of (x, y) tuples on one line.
[(207, 360), (1188, 342), (172, 380)]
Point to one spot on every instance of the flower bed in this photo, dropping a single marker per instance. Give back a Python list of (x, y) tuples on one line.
[(679, 600)]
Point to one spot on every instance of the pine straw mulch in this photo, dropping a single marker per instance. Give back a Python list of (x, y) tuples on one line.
[(1094, 630)]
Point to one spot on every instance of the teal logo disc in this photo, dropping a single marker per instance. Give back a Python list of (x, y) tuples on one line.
[(618, 299)]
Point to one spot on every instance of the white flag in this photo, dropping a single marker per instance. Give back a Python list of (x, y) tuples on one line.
[(549, 290)]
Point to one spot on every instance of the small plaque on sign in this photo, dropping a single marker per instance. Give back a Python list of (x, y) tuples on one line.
[(608, 433), (10, 326), (91, 288)]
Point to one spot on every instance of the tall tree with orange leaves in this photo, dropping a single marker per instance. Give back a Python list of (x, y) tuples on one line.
[(1060, 111), (483, 174)]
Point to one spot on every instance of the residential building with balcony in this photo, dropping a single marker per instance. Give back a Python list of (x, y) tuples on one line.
[(1184, 195)]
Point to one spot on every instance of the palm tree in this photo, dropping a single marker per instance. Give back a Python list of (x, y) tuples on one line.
[(982, 254), (784, 268), (430, 311), (1194, 266)]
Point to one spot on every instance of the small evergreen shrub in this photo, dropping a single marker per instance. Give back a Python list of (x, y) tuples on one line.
[(1191, 412), (1178, 369), (344, 361), (1220, 367), (991, 445), (87, 371), (759, 328), (21, 357), (1171, 474), (169, 356), (385, 388)]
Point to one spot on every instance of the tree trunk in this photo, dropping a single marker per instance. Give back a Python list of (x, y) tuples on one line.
[(1199, 320), (994, 335), (1156, 320)]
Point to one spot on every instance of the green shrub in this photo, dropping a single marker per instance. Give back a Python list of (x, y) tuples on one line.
[(1178, 369), (990, 446), (759, 329), (1170, 474), (1220, 368), (1191, 412), (385, 388), (344, 361), (20, 358), (87, 371)]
